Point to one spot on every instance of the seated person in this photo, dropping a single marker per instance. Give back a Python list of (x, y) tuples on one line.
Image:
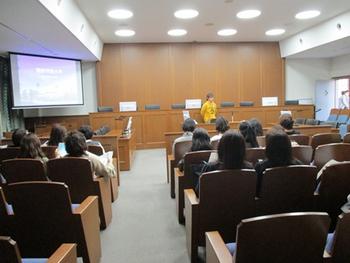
[(188, 127), (278, 153), (88, 133), (76, 147), (257, 127), (221, 127), (31, 148), (249, 135), (286, 121), (57, 135), (17, 136)]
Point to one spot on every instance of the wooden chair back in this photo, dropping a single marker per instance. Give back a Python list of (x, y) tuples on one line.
[(301, 139), (287, 189), (9, 252), (190, 159), (23, 169), (336, 151), (346, 138), (225, 198), (341, 240), (9, 153), (324, 138), (287, 238), (334, 189), (95, 149), (43, 208), (180, 149), (261, 141), (76, 173), (49, 151), (253, 155), (303, 153)]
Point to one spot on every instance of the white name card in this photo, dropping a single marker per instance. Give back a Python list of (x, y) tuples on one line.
[(306, 101), (186, 114), (193, 104), (127, 106), (269, 101), (286, 112)]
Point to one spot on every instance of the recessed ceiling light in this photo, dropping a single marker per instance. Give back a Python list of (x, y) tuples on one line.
[(177, 32), (275, 32), (120, 14), (125, 33), (307, 14), (186, 13), (227, 32), (247, 14)]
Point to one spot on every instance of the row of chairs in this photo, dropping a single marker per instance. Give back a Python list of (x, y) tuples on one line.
[(338, 117)]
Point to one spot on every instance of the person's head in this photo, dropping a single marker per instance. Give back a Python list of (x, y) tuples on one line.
[(278, 147), (221, 125), (256, 125), (210, 96), (248, 133), (75, 144), (231, 150), (188, 125), (57, 135), (286, 121), (31, 147), (86, 131), (200, 140), (17, 136)]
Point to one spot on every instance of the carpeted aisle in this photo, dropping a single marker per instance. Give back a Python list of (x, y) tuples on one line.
[(144, 226)]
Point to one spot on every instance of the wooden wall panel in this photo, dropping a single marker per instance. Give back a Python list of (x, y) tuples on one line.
[(169, 73)]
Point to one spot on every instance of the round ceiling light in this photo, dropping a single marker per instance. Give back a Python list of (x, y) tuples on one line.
[(186, 13), (227, 32), (120, 14), (247, 14), (307, 14), (275, 32), (125, 33), (177, 32)]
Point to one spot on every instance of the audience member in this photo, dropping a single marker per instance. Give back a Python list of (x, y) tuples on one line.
[(278, 153), (57, 135), (188, 127), (76, 146), (221, 127), (249, 135), (88, 134), (256, 125), (286, 121), (31, 148), (17, 136)]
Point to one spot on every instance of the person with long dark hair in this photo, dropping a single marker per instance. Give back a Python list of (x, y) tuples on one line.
[(17, 136), (30, 147), (249, 135), (57, 135), (256, 125), (221, 126)]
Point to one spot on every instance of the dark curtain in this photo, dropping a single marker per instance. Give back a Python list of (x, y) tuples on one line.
[(9, 119)]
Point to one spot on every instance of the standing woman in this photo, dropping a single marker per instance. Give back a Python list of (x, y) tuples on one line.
[(209, 109)]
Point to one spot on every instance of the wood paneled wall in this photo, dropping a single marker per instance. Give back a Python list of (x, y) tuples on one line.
[(170, 73)]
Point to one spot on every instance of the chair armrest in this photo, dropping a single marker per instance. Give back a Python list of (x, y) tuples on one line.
[(191, 196), (66, 253), (171, 157), (216, 250), (178, 173), (85, 205)]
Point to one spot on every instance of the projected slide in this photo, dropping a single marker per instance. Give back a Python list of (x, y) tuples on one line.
[(45, 82)]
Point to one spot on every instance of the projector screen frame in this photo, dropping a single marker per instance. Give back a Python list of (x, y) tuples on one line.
[(44, 106)]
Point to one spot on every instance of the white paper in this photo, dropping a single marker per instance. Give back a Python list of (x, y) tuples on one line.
[(127, 106), (270, 101), (106, 157), (193, 104)]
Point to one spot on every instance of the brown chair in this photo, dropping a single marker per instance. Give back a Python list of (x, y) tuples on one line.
[(338, 249), (261, 141), (78, 175), (324, 138), (22, 169), (225, 198), (303, 153), (253, 155), (346, 138), (9, 253), (44, 218), (185, 180), (95, 149), (334, 189), (49, 151), (180, 149), (287, 238), (9, 153), (301, 139), (336, 151), (312, 122), (287, 189), (215, 144)]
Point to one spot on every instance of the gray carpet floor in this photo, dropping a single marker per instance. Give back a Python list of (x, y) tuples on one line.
[(144, 227)]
